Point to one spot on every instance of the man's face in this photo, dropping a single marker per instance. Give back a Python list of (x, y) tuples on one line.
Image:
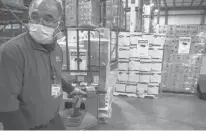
[(45, 12)]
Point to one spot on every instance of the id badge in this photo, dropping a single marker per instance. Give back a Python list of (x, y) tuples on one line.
[(56, 90)]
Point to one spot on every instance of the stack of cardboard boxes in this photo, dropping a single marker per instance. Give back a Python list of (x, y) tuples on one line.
[(114, 13), (88, 13), (140, 63), (182, 57)]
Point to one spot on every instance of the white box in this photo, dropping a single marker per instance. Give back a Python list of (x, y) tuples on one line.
[(123, 65), (150, 38), (159, 40), (156, 65), (157, 52), (124, 52), (120, 87), (153, 89), (134, 64), (133, 51), (74, 60), (123, 76), (155, 77), (134, 37), (144, 77), (142, 88), (145, 65), (131, 88), (134, 76), (124, 39)]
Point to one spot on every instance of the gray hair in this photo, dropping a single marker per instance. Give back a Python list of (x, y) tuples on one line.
[(59, 4)]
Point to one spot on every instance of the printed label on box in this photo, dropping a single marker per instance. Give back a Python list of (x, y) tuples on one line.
[(184, 45), (74, 60), (143, 47)]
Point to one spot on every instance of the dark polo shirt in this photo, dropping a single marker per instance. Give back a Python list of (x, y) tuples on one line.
[(25, 79)]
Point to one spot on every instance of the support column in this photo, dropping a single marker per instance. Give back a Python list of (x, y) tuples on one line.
[(158, 15), (203, 17), (140, 9), (166, 17)]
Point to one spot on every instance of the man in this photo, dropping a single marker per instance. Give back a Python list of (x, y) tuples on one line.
[(30, 73)]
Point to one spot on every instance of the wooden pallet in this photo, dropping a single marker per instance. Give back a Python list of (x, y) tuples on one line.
[(107, 115), (135, 95), (147, 96), (124, 94)]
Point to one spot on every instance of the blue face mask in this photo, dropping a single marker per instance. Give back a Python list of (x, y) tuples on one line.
[(41, 34)]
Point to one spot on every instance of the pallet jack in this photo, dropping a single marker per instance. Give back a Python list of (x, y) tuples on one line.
[(83, 111)]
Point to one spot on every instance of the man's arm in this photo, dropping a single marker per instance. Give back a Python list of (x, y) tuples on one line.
[(68, 88), (11, 80)]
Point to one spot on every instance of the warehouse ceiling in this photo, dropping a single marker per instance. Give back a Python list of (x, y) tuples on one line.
[(181, 4), (19, 7)]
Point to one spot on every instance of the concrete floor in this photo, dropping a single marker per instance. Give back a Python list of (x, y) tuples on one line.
[(168, 112)]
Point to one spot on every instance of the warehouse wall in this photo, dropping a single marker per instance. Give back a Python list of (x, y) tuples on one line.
[(181, 19)]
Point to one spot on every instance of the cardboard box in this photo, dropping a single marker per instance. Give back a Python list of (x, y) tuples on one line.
[(134, 64), (145, 77), (155, 77), (145, 65), (123, 65), (120, 87), (124, 52), (156, 65), (142, 88), (159, 40), (133, 51), (153, 89), (134, 37), (134, 76), (123, 76), (148, 37), (131, 88), (167, 67), (124, 39), (157, 53)]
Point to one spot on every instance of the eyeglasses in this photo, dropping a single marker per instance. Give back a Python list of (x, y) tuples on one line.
[(47, 20)]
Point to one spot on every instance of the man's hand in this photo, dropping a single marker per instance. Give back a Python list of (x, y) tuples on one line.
[(78, 91)]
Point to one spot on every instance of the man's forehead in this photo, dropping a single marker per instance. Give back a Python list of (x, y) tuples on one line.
[(45, 6)]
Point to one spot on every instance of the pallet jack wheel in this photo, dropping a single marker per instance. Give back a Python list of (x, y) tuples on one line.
[(199, 95)]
